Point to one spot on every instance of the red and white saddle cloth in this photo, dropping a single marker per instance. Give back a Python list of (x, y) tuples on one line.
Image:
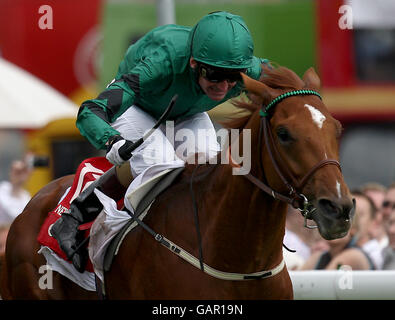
[(88, 171)]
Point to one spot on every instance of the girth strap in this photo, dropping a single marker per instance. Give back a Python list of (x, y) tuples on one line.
[(206, 268)]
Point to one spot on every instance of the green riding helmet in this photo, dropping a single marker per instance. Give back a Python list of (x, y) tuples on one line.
[(222, 39)]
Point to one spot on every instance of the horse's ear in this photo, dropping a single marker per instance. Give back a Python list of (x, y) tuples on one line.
[(311, 79), (256, 87)]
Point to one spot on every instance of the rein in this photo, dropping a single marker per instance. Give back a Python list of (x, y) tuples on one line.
[(294, 197)]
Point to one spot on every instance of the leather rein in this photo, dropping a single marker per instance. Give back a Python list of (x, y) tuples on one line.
[(294, 197)]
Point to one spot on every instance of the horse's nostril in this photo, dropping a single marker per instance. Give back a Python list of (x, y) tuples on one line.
[(329, 206), (335, 209)]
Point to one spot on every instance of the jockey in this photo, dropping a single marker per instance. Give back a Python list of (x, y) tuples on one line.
[(201, 65)]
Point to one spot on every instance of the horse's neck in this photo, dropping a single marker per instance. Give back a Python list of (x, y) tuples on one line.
[(246, 227)]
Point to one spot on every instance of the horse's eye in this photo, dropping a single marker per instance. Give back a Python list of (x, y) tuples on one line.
[(284, 136)]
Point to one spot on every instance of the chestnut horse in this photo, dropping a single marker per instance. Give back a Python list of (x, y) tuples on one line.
[(232, 224)]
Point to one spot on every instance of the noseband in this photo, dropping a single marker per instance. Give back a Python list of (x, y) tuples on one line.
[(294, 196)]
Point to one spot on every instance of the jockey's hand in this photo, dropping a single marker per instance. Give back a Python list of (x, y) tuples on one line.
[(117, 150)]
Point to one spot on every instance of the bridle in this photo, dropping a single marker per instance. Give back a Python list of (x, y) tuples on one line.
[(295, 197)]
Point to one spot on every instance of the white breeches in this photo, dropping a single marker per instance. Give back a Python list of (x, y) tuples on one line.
[(173, 143)]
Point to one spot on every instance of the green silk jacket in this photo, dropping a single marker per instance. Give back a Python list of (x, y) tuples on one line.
[(153, 70)]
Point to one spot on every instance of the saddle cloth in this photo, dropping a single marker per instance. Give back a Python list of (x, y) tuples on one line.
[(88, 171), (108, 223)]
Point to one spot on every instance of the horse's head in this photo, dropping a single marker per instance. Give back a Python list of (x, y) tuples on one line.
[(300, 138)]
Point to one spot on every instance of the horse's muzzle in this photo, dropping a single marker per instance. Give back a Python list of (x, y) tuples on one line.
[(334, 216)]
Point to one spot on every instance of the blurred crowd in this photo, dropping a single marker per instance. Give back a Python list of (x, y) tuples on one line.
[(13, 198), (369, 245)]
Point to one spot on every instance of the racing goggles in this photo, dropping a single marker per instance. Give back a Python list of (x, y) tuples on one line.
[(217, 75)]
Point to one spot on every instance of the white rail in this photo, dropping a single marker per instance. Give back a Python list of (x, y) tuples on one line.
[(343, 284)]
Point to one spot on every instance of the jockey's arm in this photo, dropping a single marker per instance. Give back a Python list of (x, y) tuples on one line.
[(96, 115)]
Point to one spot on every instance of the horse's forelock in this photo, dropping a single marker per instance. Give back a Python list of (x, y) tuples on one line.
[(281, 78)]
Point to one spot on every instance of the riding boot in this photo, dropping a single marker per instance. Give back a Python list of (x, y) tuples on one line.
[(65, 229)]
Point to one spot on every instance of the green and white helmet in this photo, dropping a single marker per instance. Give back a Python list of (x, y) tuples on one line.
[(222, 39)]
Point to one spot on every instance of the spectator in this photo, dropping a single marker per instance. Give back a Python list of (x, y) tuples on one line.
[(385, 209), (13, 196), (389, 251), (3, 237), (347, 250), (388, 215), (374, 191), (388, 204), (367, 219)]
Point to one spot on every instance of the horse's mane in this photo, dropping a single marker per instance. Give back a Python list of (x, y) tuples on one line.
[(280, 78)]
